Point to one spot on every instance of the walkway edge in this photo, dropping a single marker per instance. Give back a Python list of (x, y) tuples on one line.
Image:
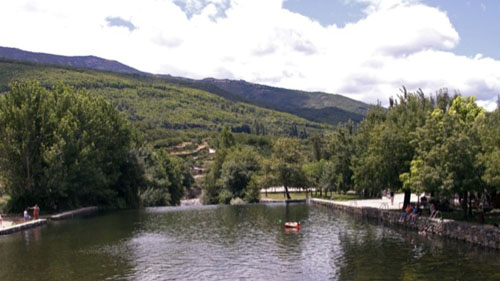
[(75, 213), (484, 235), (22, 226)]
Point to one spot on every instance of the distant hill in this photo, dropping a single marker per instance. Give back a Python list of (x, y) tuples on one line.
[(313, 106), (91, 62), (161, 109)]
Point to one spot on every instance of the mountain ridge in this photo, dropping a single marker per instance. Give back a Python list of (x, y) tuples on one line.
[(314, 106)]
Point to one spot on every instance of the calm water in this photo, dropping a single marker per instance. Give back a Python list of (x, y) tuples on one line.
[(237, 242)]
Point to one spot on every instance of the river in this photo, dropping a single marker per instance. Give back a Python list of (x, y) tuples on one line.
[(246, 242)]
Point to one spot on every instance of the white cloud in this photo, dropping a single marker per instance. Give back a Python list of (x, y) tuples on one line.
[(399, 42)]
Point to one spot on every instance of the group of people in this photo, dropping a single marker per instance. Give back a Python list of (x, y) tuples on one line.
[(410, 213), (36, 212)]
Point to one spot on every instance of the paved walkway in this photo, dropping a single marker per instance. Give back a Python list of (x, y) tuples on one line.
[(21, 226), (384, 203)]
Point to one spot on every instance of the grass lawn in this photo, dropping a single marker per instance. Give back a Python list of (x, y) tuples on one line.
[(280, 196), (302, 195), (340, 196)]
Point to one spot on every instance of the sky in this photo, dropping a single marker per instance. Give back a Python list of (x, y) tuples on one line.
[(363, 49)]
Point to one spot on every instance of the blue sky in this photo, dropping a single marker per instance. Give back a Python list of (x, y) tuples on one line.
[(477, 21), (363, 49)]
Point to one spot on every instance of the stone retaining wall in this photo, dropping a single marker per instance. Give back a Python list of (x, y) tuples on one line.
[(484, 235), (22, 226), (269, 200), (75, 213)]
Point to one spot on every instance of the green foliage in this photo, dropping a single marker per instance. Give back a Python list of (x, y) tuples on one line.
[(447, 150), (154, 197), (286, 164), (237, 170), (225, 139), (167, 179), (62, 148), (225, 196), (162, 108), (489, 133), (252, 192)]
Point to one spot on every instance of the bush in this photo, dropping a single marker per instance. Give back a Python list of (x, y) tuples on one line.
[(237, 201), (154, 197), (225, 196)]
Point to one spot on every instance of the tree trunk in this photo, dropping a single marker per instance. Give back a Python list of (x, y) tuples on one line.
[(464, 204), (407, 198), (287, 193)]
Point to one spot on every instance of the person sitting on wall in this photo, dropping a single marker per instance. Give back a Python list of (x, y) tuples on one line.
[(26, 216), (405, 213), (414, 214)]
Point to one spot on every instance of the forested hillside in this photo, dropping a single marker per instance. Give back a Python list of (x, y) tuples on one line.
[(161, 108), (313, 106)]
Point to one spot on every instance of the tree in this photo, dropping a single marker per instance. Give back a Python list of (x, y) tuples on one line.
[(340, 150), (313, 173), (447, 153), (287, 164), (63, 148), (238, 169)]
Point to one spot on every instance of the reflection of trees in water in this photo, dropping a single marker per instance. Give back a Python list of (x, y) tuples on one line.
[(68, 250), (375, 252)]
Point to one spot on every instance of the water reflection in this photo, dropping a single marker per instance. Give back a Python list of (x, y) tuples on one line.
[(237, 242)]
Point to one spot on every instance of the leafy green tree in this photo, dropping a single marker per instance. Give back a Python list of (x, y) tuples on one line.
[(212, 185), (225, 138), (317, 145), (238, 169), (287, 164), (447, 153), (313, 172), (489, 133), (62, 148), (340, 150)]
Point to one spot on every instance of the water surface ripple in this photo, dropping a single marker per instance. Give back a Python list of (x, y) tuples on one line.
[(245, 242)]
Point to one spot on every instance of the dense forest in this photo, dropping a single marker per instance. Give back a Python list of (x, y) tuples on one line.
[(64, 148), (444, 145), (165, 111), (82, 137)]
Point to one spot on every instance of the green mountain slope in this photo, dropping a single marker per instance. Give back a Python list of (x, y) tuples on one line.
[(160, 107), (313, 106), (91, 62)]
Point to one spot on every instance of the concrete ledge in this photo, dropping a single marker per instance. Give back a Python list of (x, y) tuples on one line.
[(484, 235), (22, 226), (268, 200), (74, 213)]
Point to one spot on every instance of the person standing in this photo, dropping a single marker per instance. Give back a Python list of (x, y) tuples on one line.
[(392, 197), (36, 211)]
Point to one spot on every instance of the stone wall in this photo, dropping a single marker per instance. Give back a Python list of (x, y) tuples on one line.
[(75, 213), (484, 235), (22, 226)]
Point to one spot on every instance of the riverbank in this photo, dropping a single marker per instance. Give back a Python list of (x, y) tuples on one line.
[(11, 225), (484, 235), (270, 200), (11, 228)]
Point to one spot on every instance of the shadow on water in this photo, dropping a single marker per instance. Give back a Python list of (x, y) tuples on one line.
[(233, 242)]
